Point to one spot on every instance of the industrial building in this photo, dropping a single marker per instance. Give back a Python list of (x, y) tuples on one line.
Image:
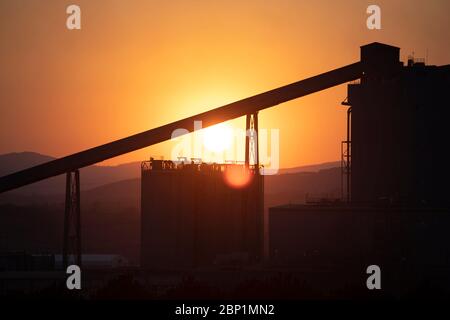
[(335, 236), (191, 216), (395, 208), (399, 130)]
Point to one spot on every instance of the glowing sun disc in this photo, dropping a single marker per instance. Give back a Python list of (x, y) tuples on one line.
[(218, 138)]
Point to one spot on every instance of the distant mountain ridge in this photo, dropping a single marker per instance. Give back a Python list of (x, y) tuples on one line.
[(96, 179), (11, 162), (311, 168), (91, 176)]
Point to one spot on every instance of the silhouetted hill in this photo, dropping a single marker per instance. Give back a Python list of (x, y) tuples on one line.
[(124, 193), (311, 168), (15, 161), (52, 190), (91, 177), (323, 183)]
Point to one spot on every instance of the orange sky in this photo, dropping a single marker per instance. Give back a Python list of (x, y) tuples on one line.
[(136, 65)]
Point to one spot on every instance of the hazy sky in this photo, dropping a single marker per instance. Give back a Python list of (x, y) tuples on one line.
[(136, 65)]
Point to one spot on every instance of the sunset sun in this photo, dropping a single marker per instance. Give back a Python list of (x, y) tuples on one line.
[(218, 138)]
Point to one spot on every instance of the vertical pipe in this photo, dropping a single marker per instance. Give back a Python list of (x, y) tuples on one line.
[(78, 217), (349, 151), (244, 196), (247, 140), (66, 221), (256, 140), (342, 170), (72, 219)]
